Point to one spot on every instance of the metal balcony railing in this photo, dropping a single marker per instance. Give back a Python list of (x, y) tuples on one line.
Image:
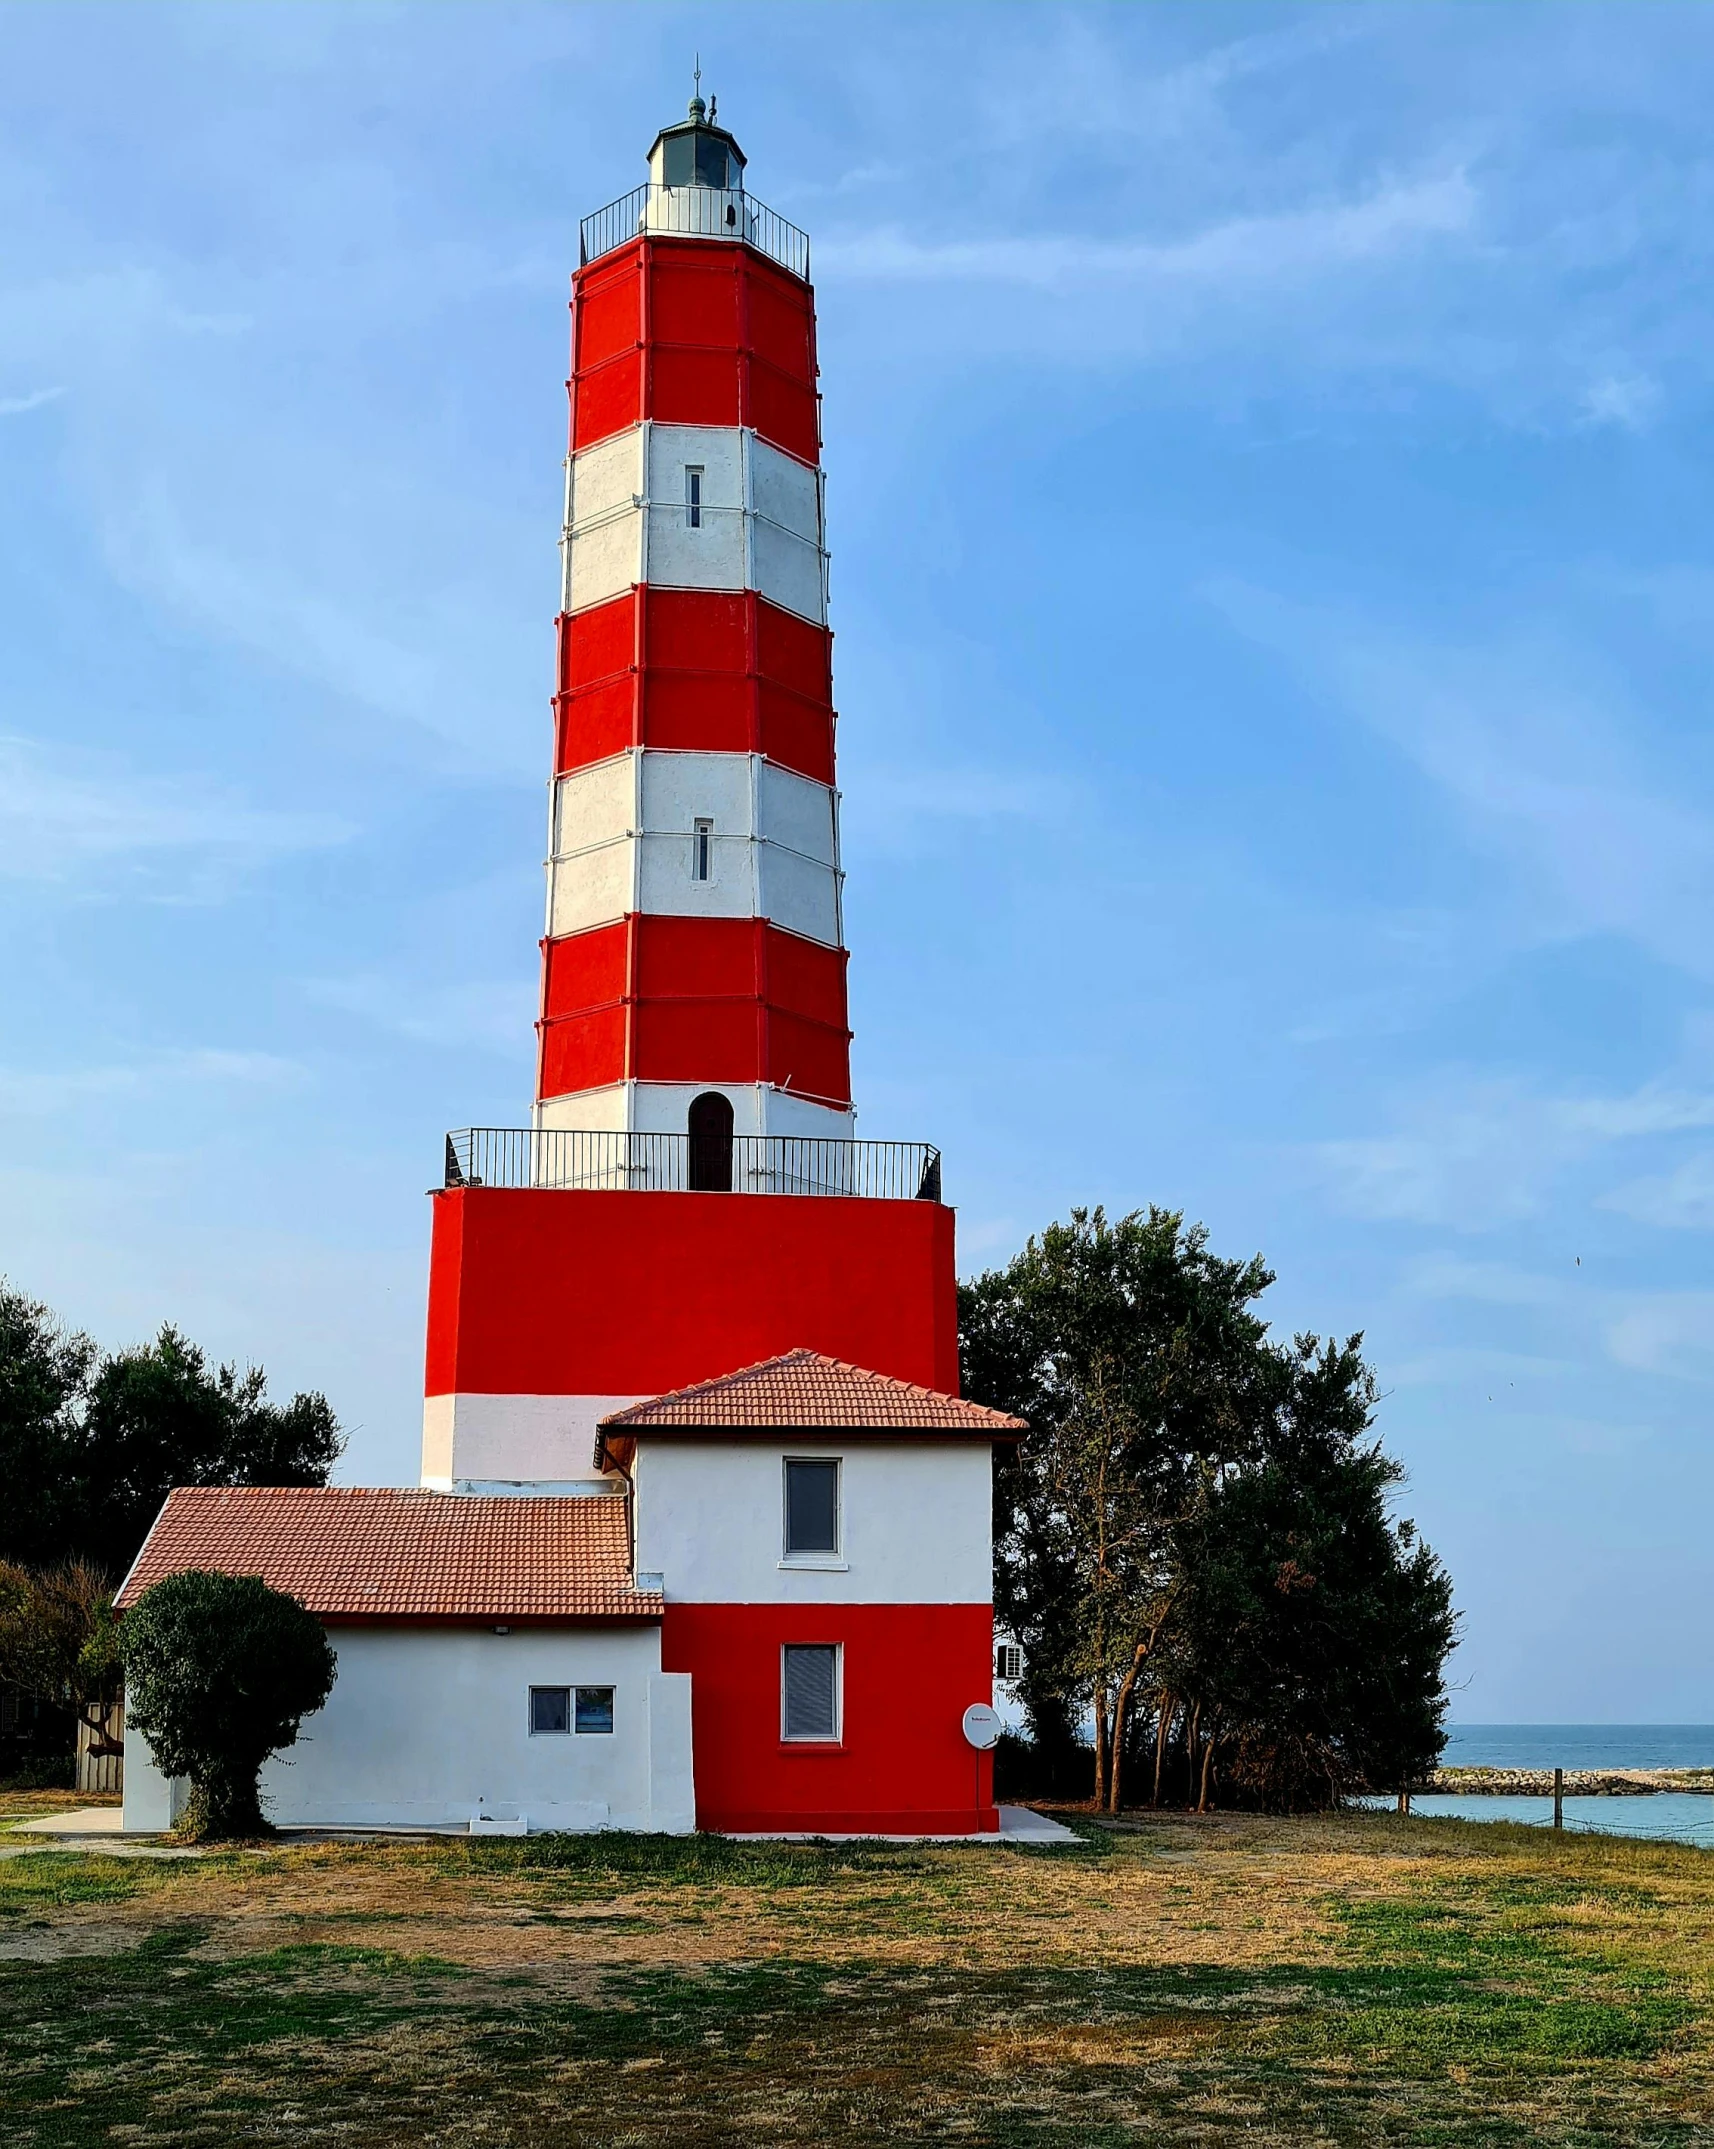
[(566, 1157), (696, 213)]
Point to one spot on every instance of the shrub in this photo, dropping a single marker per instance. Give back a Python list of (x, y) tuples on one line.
[(220, 1670)]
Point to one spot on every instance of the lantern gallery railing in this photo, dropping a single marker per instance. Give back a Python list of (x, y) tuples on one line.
[(696, 213), (566, 1157)]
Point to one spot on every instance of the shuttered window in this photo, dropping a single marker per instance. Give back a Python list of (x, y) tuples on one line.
[(809, 1682)]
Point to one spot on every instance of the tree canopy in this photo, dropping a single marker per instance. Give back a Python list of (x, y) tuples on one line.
[(1194, 1544), (220, 1671), (91, 1444), (59, 1643)]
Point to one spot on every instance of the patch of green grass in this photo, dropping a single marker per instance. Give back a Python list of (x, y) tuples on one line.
[(36, 1881), (309, 1956), (612, 1855)]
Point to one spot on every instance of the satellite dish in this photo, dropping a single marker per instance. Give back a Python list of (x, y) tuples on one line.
[(982, 1726)]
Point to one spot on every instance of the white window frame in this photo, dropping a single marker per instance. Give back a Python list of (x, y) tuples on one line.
[(833, 1562), (816, 1738)]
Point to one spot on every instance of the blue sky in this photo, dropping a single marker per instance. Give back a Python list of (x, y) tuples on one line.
[(1269, 468)]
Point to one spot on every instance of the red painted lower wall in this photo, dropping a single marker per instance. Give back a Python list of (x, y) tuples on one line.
[(538, 1292), (901, 1766)]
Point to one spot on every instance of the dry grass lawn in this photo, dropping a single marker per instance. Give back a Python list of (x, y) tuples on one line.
[(1354, 1979)]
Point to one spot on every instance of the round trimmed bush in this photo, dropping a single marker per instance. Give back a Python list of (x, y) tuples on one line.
[(220, 1670)]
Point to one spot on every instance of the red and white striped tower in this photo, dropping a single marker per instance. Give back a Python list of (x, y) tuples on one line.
[(694, 947)]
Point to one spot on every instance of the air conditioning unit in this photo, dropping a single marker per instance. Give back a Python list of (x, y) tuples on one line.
[(1008, 1662)]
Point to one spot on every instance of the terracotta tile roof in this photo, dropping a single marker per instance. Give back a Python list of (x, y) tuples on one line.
[(391, 1553), (805, 1392)]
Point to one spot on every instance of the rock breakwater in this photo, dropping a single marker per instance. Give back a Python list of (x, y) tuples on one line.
[(1579, 1782)]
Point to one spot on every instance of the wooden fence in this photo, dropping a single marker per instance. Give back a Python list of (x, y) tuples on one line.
[(101, 1754)]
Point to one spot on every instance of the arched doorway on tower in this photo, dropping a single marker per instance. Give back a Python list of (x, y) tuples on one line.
[(711, 1143)]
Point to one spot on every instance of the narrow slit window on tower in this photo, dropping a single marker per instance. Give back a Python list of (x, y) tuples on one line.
[(702, 851), (693, 496)]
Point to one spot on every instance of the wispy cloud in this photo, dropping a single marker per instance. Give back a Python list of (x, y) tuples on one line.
[(1679, 1200), (38, 1091), (1228, 258), (1627, 400), (1546, 769), (1670, 1332), (1475, 1153), (14, 406), (493, 1016), (1484, 1283), (97, 824)]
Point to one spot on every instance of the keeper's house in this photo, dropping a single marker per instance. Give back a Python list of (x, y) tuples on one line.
[(806, 1617)]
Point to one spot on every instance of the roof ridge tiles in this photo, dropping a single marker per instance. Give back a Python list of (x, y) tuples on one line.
[(805, 1388)]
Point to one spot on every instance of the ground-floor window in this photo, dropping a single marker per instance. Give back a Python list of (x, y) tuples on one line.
[(571, 1708), (809, 1690), (594, 1708)]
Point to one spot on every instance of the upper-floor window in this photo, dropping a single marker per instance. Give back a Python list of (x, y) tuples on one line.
[(693, 475), (702, 850), (812, 1507)]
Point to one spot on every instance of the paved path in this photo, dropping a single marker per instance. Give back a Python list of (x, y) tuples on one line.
[(100, 1828)]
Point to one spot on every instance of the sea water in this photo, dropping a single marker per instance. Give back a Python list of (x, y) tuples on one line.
[(1673, 1816), (1570, 1746), (1670, 1816)]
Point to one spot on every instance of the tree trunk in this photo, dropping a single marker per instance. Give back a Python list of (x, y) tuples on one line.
[(1190, 1753), (224, 1806), (1207, 1766), (1163, 1726), (1121, 1717), (1101, 1759)]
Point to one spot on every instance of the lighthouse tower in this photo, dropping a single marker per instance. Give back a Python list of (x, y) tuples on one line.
[(693, 1049), (693, 972)]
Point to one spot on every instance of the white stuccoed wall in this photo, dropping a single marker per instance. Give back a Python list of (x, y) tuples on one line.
[(624, 831), (916, 1523), (664, 1108), (427, 1726), (514, 1439), (761, 525)]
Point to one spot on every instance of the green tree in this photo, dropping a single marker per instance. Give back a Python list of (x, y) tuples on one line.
[(44, 1375), (220, 1671), (58, 1642), (1134, 1354), (1315, 1625), (1196, 1530), (90, 1446), (159, 1416)]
